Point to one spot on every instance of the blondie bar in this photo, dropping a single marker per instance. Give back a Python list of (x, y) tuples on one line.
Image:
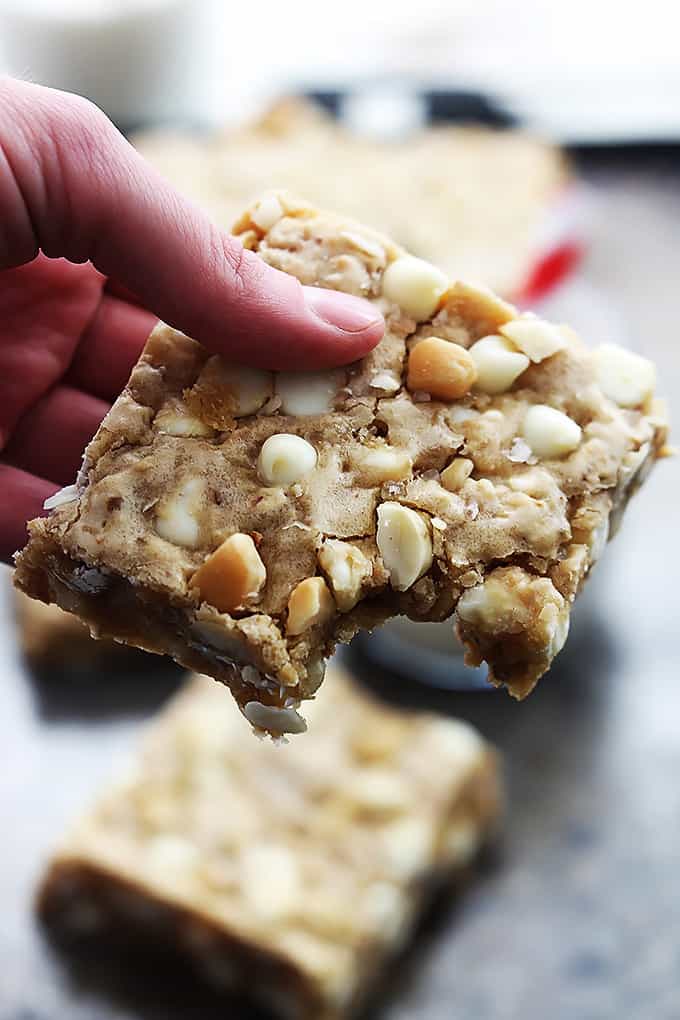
[(291, 875), (476, 201), (243, 522)]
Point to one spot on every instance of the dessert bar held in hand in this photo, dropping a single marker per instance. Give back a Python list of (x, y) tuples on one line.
[(243, 521), (290, 874)]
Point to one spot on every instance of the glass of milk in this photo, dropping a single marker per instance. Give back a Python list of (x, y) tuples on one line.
[(141, 61)]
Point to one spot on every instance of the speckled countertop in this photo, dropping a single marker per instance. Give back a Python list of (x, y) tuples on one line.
[(577, 914)]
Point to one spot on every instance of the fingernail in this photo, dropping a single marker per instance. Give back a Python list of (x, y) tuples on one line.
[(348, 313)]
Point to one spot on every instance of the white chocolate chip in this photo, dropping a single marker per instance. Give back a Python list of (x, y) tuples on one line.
[(549, 432), (404, 542), (415, 285), (267, 212), (346, 568), (623, 376), (304, 393), (231, 576), (274, 720), (176, 519), (285, 458), (498, 364), (379, 464), (242, 390), (177, 421), (534, 337), (453, 476), (310, 603)]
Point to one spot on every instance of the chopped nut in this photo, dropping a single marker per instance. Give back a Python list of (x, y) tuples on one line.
[(310, 603), (549, 432), (176, 420), (176, 515), (274, 720), (520, 451), (267, 212), (404, 542), (388, 382), (415, 285), (346, 568), (498, 364), (66, 495), (305, 393), (624, 377), (224, 391), (441, 368), (285, 458), (231, 576), (534, 337), (453, 476), (379, 464)]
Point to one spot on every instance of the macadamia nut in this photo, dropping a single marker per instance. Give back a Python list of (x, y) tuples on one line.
[(346, 568), (404, 543), (231, 576), (310, 603), (443, 369), (534, 337)]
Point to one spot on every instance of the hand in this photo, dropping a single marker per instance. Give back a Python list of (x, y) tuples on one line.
[(85, 224)]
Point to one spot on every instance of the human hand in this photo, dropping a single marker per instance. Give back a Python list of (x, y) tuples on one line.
[(85, 224)]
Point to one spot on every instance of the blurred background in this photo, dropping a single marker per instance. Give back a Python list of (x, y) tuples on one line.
[(553, 174)]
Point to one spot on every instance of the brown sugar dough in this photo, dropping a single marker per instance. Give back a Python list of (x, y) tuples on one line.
[(331, 501)]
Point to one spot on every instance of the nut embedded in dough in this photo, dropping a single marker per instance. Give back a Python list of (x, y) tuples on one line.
[(534, 337), (498, 364), (232, 576), (310, 603), (453, 476), (346, 568), (549, 432), (378, 464), (441, 368), (285, 459), (404, 543), (417, 286)]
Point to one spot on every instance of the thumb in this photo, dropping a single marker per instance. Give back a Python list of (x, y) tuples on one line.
[(72, 186)]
